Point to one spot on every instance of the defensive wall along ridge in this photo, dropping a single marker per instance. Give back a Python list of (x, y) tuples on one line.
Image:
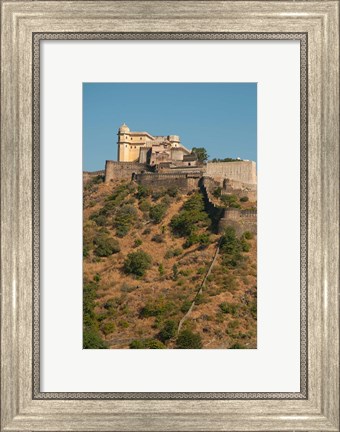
[(232, 177), (243, 172), (89, 175), (240, 219), (122, 170)]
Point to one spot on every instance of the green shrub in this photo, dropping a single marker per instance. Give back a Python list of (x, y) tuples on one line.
[(230, 201), (202, 239), (96, 277), (168, 331), (91, 337), (244, 199), (157, 212), (237, 345), (157, 194), (86, 251), (248, 235), (186, 306), (146, 344), (161, 269), (123, 324), (173, 253), (156, 308), (142, 192), (253, 309), (124, 219), (157, 238), (137, 242), (137, 263), (108, 328), (175, 272), (144, 206), (106, 246), (188, 340), (172, 191), (230, 244), (245, 245), (217, 192), (200, 299), (228, 308), (98, 218), (190, 217), (93, 181), (233, 324)]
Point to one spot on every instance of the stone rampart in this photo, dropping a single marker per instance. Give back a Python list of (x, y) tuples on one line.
[(215, 212), (241, 220), (239, 189), (162, 181), (89, 175), (243, 171), (122, 170)]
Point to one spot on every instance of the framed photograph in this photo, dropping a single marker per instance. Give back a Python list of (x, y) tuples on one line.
[(170, 207)]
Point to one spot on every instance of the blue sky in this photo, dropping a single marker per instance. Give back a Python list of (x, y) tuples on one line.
[(222, 117)]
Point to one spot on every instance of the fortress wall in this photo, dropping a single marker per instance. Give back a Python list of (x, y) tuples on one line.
[(210, 183), (214, 211), (241, 220), (89, 175), (243, 171), (122, 170), (239, 189), (160, 181)]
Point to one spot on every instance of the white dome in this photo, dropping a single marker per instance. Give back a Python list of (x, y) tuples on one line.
[(124, 128)]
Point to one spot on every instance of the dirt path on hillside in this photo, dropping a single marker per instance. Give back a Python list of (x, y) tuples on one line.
[(199, 292)]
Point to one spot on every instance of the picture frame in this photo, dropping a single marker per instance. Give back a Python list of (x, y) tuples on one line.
[(24, 23)]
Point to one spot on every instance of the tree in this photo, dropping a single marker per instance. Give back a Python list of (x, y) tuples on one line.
[(125, 217), (188, 340), (106, 246), (157, 212), (91, 336), (137, 263), (168, 331), (190, 217), (146, 344), (201, 153), (230, 244)]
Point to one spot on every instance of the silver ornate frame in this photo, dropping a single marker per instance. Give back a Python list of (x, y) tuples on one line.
[(25, 23)]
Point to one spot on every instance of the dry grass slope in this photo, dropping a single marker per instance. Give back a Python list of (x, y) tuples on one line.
[(145, 258)]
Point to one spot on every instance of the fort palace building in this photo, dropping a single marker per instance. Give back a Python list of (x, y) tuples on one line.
[(160, 161), (142, 147)]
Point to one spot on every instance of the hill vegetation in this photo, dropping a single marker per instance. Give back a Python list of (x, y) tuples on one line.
[(146, 254)]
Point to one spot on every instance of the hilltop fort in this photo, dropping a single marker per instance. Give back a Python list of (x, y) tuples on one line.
[(160, 159), (160, 162)]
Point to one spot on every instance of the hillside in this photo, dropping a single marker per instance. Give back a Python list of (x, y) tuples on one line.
[(146, 256)]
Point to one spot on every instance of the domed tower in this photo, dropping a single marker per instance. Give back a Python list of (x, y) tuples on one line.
[(124, 140), (174, 140)]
